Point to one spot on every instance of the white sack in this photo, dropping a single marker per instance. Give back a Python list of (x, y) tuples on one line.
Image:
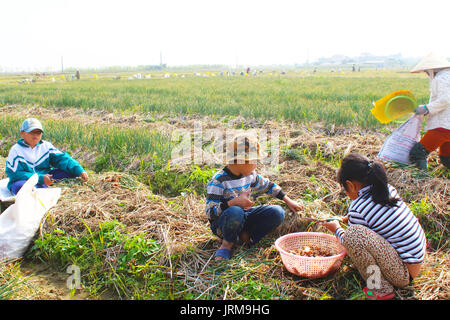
[(5, 194), (398, 145), (20, 221)]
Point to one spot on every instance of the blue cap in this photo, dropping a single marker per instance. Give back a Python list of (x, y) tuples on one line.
[(31, 124)]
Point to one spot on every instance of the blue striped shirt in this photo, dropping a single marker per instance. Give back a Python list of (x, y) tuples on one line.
[(396, 224)]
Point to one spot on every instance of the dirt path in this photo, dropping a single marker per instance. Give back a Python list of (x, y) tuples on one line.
[(45, 283)]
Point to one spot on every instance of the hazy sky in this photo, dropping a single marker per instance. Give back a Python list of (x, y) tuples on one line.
[(93, 33)]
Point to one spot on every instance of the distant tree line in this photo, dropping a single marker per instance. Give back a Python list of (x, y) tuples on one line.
[(114, 69)]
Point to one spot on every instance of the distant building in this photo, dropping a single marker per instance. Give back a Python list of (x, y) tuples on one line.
[(365, 59)]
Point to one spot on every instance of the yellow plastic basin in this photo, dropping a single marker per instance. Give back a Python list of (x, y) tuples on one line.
[(394, 106)]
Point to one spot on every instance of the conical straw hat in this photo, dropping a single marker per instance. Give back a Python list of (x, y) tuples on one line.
[(431, 61)]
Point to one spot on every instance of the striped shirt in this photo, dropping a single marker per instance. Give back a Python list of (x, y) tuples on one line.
[(396, 224), (225, 186)]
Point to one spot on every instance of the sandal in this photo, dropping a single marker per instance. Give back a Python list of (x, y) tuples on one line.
[(223, 254), (371, 295)]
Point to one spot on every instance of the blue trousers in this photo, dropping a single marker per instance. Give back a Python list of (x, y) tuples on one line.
[(58, 174), (257, 222)]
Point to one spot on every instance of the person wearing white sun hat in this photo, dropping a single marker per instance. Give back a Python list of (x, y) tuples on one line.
[(437, 112)]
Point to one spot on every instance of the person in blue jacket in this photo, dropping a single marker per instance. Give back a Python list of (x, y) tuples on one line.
[(32, 155)]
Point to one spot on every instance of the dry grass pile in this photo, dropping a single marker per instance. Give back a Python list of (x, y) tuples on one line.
[(434, 280), (120, 196)]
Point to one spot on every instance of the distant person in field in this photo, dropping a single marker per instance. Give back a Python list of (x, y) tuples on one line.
[(77, 75), (229, 207), (384, 239), (32, 155), (437, 112)]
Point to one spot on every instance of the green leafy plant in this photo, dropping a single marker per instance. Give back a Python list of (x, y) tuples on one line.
[(421, 208), (423, 211), (295, 154), (109, 259), (171, 182)]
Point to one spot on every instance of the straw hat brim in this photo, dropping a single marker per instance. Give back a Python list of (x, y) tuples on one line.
[(238, 151), (246, 157), (431, 62)]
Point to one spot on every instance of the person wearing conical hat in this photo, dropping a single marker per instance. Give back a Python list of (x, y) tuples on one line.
[(437, 111)]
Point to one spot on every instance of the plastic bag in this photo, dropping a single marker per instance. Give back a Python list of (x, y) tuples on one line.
[(20, 222), (5, 194), (398, 145)]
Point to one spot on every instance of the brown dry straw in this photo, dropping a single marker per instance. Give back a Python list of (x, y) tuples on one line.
[(180, 223)]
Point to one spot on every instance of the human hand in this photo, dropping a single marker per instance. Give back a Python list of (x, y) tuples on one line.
[(345, 219), (332, 225), (293, 205), (242, 201), (422, 109), (84, 176), (48, 179)]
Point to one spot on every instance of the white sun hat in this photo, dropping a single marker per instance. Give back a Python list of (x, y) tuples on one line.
[(430, 62)]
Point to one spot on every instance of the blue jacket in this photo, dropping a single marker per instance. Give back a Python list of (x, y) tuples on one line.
[(24, 161)]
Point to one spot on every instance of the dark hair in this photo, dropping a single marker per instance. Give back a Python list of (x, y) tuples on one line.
[(360, 168)]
